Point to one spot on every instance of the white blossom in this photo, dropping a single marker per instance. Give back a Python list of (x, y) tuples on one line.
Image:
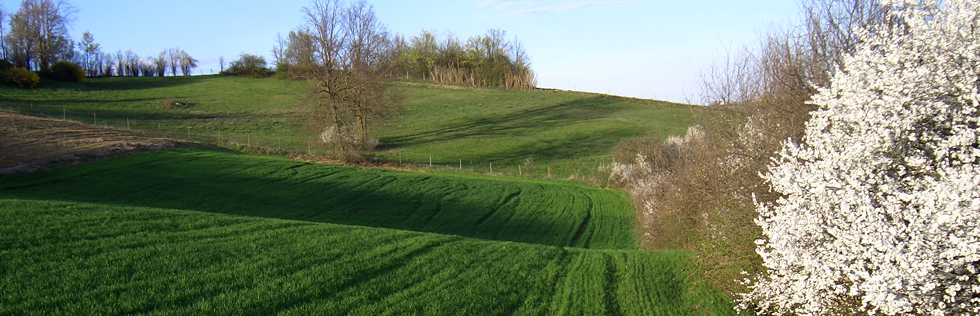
[(881, 202)]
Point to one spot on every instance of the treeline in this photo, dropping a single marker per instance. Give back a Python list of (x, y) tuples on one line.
[(487, 61), (35, 40), (96, 63)]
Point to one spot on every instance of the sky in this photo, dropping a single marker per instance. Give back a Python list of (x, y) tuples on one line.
[(654, 49)]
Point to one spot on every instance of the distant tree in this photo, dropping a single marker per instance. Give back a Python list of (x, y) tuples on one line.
[(161, 63), (3, 35), (187, 63), (173, 60), (90, 50), (221, 61), (279, 50), (148, 67), (108, 64), (38, 33), (120, 64), (132, 64)]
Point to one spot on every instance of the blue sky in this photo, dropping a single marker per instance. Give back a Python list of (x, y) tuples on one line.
[(640, 48)]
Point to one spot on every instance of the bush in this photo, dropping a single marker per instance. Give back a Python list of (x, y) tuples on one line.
[(23, 78), (282, 71), (248, 66), (5, 65), (66, 71), (881, 206)]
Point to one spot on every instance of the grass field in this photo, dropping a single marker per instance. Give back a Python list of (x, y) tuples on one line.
[(566, 132), (523, 210), (199, 231), (210, 231), (60, 258)]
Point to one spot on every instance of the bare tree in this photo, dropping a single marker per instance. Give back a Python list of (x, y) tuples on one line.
[(279, 49), (132, 67), (221, 61), (3, 34), (120, 64), (108, 64), (147, 67), (342, 48), (39, 33), (187, 63), (161, 63), (173, 57)]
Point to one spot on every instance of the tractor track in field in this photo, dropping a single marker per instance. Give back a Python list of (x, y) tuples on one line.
[(507, 201), (29, 143)]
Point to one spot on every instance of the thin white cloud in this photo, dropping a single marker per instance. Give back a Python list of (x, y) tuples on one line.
[(527, 7)]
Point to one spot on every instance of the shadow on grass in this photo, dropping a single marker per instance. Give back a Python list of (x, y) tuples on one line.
[(141, 83), (212, 181), (528, 122)]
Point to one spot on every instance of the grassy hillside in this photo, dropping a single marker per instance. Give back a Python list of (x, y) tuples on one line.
[(61, 258), (568, 132), (212, 232), (523, 210)]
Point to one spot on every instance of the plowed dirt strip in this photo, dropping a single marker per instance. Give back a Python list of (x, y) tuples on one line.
[(29, 143)]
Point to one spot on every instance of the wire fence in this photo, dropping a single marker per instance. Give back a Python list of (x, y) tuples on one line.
[(195, 130)]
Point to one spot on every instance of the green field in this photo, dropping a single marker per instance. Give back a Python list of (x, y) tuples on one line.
[(61, 258), (211, 231), (522, 210), (567, 132), (197, 231)]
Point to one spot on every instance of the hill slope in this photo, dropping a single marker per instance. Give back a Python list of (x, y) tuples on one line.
[(531, 211), (567, 132)]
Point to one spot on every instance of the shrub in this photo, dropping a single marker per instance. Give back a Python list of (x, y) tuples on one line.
[(66, 71), (24, 78), (5, 65), (881, 214), (529, 166), (248, 66)]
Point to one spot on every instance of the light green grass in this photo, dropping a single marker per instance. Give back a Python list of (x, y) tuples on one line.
[(59, 258), (567, 132), (524, 210)]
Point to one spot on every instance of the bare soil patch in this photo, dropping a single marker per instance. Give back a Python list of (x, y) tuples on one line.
[(29, 143)]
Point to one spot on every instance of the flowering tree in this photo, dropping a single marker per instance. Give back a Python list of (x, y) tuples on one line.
[(881, 207)]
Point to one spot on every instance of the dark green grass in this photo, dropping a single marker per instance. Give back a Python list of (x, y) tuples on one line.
[(522, 210), (567, 132), (63, 258)]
